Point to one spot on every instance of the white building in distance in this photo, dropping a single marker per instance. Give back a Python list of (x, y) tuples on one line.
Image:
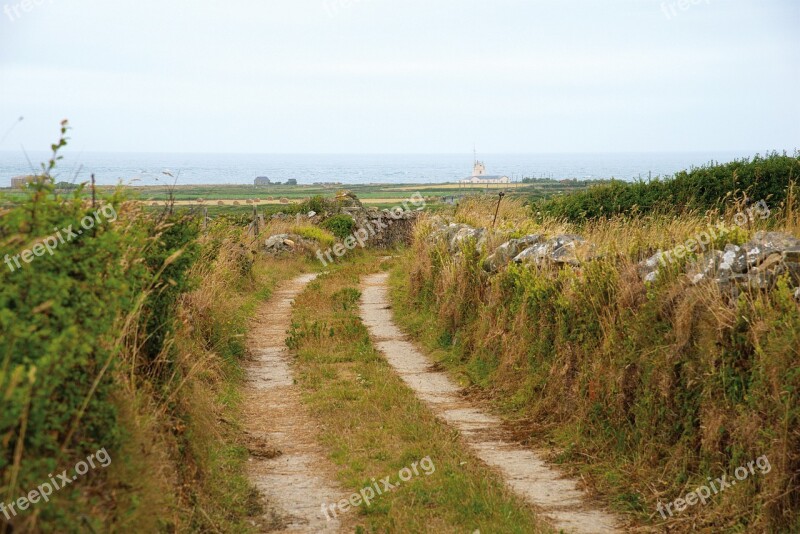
[(479, 176), (19, 182)]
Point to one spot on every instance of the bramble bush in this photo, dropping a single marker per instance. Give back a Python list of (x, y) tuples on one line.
[(65, 317), (705, 188), (341, 226)]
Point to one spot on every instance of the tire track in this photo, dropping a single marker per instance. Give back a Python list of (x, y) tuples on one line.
[(556, 498), (286, 463)]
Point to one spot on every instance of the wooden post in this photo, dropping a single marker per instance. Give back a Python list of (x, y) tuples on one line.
[(502, 194), (255, 220), (94, 194)]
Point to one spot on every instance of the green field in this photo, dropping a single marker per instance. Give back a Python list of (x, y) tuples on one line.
[(240, 199)]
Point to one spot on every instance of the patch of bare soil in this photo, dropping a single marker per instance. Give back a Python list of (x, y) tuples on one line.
[(286, 463), (557, 498)]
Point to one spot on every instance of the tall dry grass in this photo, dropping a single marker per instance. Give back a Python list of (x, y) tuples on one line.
[(644, 390), (184, 459)]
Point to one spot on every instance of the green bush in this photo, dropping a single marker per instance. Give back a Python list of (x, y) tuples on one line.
[(316, 204), (66, 317), (710, 187), (175, 239), (341, 226)]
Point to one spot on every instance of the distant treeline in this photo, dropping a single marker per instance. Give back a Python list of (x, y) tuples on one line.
[(709, 187)]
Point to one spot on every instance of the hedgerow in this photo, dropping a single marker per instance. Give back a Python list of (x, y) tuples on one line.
[(710, 187), (65, 319)]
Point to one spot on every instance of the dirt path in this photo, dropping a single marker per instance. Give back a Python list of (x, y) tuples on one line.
[(556, 498), (286, 464)]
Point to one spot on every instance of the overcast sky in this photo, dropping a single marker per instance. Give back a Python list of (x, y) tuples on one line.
[(402, 76)]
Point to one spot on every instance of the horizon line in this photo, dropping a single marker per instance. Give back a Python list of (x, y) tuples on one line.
[(597, 153)]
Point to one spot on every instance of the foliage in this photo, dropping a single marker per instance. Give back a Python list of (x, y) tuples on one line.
[(67, 319), (58, 322), (705, 188), (174, 240), (317, 204), (309, 231), (341, 226)]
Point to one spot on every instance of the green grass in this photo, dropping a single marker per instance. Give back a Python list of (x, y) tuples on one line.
[(373, 425), (309, 231)]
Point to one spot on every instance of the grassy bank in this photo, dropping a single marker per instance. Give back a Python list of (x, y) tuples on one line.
[(373, 426), (645, 391), (184, 458), (122, 342)]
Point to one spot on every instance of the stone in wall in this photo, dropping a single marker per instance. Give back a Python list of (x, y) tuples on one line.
[(506, 252), (756, 265), (566, 249)]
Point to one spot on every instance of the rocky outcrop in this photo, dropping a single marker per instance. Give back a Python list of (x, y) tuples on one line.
[(509, 250), (560, 250), (756, 265), (285, 243), (456, 235), (566, 249), (465, 235)]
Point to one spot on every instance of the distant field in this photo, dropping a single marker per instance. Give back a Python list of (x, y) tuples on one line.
[(223, 198), (261, 202)]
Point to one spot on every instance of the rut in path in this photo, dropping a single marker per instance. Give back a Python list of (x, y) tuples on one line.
[(286, 464), (557, 499)]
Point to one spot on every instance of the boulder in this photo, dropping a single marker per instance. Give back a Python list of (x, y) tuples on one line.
[(278, 244), (534, 254), (764, 244), (756, 265), (445, 232), (648, 269), (575, 253), (734, 259), (508, 250), (566, 249), (463, 235), (705, 267)]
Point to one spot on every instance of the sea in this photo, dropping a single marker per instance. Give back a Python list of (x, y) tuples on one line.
[(207, 169)]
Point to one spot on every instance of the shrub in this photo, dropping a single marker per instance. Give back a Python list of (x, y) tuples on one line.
[(316, 204), (710, 187), (65, 320), (341, 226)]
